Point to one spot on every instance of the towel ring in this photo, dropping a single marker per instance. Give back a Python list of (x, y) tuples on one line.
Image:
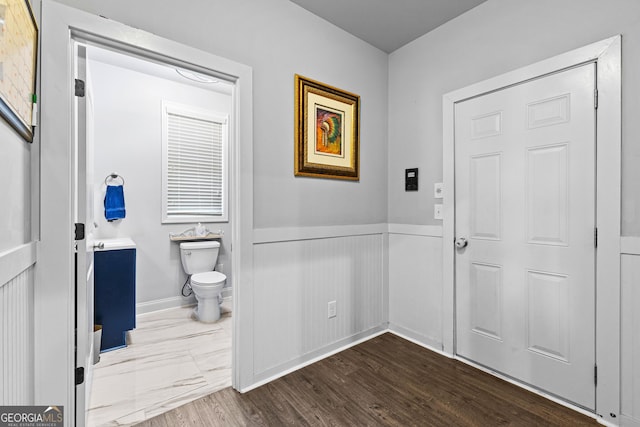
[(112, 177)]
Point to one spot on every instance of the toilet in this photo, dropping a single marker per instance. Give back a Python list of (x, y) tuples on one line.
[(198, 261)]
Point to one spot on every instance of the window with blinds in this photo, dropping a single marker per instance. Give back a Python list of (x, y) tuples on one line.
[(194, 165)]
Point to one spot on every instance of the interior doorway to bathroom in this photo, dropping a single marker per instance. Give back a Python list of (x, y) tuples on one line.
[(66, 372), (126, 133)]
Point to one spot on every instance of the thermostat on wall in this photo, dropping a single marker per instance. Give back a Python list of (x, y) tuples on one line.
[(411, 179)]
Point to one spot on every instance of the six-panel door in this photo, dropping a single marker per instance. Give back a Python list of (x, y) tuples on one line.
[(525, 202)]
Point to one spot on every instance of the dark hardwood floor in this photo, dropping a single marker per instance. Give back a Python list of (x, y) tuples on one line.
[(386, 381)]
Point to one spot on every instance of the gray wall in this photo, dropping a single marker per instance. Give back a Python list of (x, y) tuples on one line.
[(496, 37), (15, 194), (278, 39), (128, 141)]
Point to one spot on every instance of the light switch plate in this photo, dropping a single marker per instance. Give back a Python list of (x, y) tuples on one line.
[(437, 190), (437, 211)]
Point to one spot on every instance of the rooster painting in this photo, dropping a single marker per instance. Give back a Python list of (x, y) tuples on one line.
[(328, 132)]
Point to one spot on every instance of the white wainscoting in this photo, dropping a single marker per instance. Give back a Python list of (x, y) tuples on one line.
[(296, 273), (630, 332), (415, 283), (16, 326)]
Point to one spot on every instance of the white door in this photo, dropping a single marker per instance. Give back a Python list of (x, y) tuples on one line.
[(525, 205), (83, 214)]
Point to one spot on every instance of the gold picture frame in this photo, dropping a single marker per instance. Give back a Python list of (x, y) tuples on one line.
[(18, 54), (327, 131)]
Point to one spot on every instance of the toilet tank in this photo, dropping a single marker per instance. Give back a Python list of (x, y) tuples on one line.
[(198, 257)]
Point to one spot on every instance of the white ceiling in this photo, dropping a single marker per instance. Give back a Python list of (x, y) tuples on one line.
[(149, 67), (388, 24)]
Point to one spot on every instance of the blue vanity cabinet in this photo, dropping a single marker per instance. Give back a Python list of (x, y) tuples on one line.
[(115, 294)]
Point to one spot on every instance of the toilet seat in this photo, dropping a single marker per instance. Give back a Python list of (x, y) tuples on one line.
[(208, 278)]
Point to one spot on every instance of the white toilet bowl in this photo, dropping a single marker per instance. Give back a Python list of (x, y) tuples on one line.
[(207, 287)]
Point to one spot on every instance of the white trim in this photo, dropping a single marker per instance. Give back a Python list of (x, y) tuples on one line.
[(163, 304), (347, 343), (607, 54), (419, 339), (572, 58), (327, 351), (416, 230), (54, 291), (287, 234), (170, 107), (149, 307), (608, 213), (15, 261), (630, 245)]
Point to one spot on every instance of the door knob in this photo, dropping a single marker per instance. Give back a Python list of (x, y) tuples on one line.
[(461, 242)]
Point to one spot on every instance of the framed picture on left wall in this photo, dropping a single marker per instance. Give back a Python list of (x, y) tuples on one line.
[(18, 53)]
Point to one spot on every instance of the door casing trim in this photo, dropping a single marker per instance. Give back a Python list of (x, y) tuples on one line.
[(53, 289), (606, 54)]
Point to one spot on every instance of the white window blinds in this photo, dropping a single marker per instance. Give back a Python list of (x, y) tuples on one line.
[(195, 167)]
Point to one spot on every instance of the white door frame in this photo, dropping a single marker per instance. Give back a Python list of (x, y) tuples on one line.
[(607, 55), (54, 292)]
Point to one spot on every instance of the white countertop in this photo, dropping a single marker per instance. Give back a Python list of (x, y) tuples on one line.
[(114, 244)]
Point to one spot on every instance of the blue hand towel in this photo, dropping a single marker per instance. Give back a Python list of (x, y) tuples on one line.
[(114, 203)]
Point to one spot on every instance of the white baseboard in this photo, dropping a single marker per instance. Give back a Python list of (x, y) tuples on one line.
[(419, 339), (163, 304), (315, 356), (175, 302)]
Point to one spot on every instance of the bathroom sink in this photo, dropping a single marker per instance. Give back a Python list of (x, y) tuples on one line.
[(114, 244)]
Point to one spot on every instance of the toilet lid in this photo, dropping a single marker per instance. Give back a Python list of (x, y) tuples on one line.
[(208, 278)]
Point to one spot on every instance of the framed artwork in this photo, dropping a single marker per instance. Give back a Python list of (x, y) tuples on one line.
[(18, 52), (327, 131)]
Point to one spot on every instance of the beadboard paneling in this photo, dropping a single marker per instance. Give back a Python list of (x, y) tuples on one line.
[(630, 340), (415, 287), (295, 280), (16, 336)]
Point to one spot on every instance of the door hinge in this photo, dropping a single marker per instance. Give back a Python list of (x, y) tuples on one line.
[(79, 231), (79, 88), (79, 375), (595, 237), (595, 99), (595, 374)]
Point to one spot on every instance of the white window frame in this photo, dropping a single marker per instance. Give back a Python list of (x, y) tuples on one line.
[(204, 114)]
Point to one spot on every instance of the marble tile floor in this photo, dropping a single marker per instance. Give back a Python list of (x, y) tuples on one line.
[(171, 359)]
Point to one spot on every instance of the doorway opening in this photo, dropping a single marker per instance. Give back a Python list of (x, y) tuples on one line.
[(61, 374), (169, 358)]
